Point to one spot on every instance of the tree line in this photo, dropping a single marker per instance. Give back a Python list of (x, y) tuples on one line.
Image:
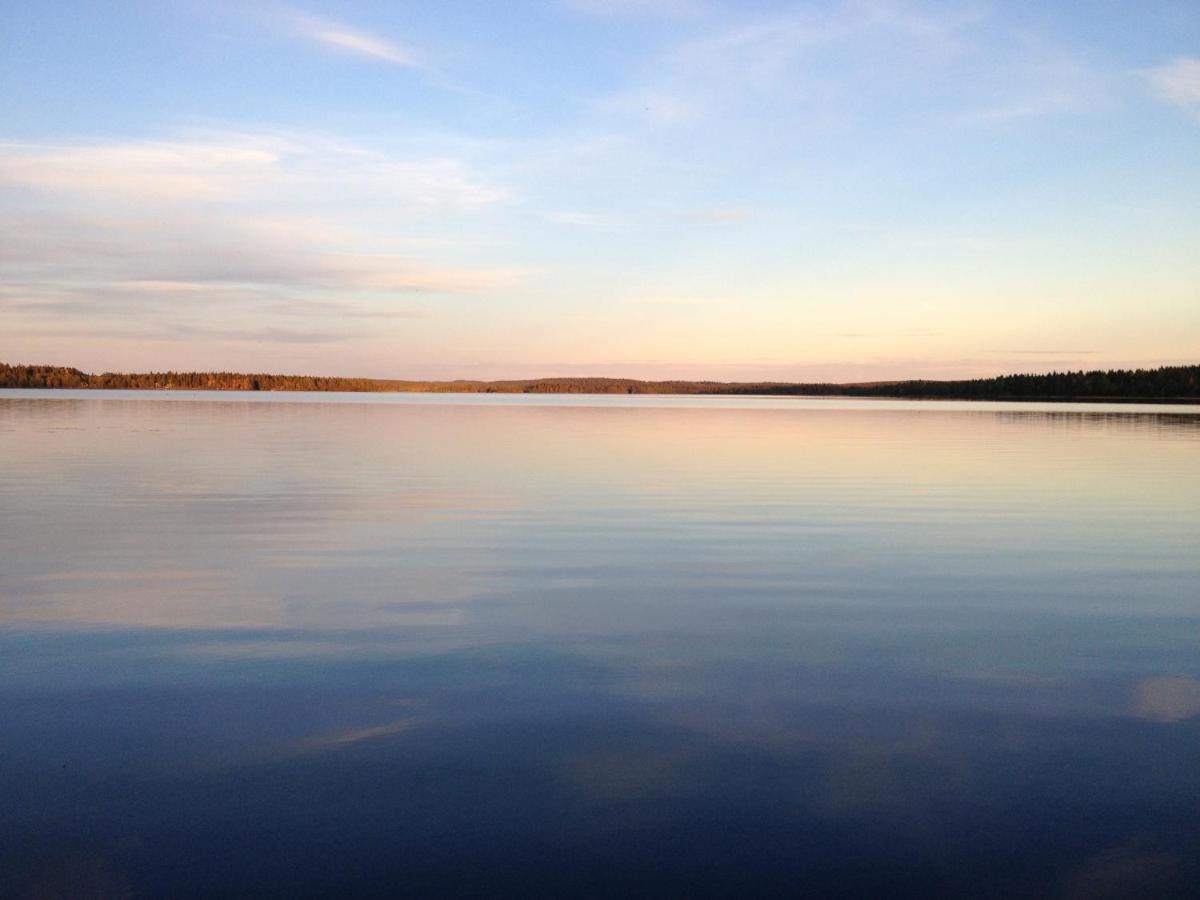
[(1165, 383)]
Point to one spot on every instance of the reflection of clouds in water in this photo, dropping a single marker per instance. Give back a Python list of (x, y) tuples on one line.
[(179, 598), (338, 596), (895, 775), (239, 530), (297, 731), (347, 736), (376, 593), (875, 765), (1167, 699), (265, 648), (848, 643)]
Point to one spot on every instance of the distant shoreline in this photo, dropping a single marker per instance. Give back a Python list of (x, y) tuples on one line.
[(1167, 384), (1098, 401)]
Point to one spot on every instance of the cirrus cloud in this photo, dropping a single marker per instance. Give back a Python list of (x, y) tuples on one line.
[(1178, 82), (177, 233), (347, 39)]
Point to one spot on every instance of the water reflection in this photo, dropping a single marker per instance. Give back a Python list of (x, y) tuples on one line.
[(318, 647), (1168, 699)]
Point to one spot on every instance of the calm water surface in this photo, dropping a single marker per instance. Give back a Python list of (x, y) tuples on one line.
[(328, 644)]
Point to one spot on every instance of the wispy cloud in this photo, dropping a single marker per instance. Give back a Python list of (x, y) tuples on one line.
[(666, 8), (1178, 82), (238, 166), (1028, 78), (780, 65), (825, 69), (176, 236), (144, 169), (346, 39)]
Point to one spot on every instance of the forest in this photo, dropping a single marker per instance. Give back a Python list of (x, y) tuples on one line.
[(1164, 383)]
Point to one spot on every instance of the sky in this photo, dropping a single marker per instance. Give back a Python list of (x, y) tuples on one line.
[(643, 188)]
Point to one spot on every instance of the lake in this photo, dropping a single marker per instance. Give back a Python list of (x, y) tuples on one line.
[(318, 644)]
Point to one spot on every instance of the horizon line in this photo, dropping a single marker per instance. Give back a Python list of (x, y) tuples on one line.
[(607, 378)]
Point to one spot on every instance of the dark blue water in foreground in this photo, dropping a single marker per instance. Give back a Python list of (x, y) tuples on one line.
[(329, 645)]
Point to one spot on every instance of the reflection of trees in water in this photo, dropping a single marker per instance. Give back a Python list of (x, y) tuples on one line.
[(1086, 420)]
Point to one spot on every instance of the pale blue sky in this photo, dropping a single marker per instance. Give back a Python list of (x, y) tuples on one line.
[(677, 188)]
